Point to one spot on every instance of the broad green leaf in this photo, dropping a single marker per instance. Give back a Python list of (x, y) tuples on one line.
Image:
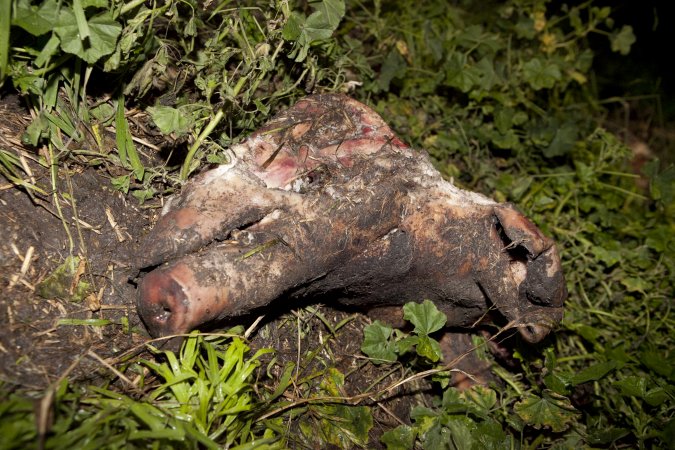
[(169, 120), (377, 343), (550, 410), (461, 431), (482, 396), (504, 119), (429, 348), (460, 74), (593, 373), (661, 184), (556, 383), (563, 141), (394, 66), (635, 284), (292, 28), (322, 22), (607, 256), (485, 70), (406, 344), (452, 402), (37, 20), (400, 438), (319, 26), (424, 316), (104, 31), (507, 140), (663, 364), (490, 435), (437, 437), (333, 381), (540, 74), (623, 40), (656, 396), (121, 183), (347, 425)]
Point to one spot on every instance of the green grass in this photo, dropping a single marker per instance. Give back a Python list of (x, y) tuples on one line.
[(503, 98)]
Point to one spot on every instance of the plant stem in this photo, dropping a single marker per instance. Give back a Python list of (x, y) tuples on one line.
[(185, 170)]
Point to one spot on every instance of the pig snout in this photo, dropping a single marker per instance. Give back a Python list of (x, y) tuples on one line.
[(535, 270), (171, 301)]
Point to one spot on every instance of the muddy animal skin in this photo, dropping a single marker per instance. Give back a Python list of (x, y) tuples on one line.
[(325, 202)]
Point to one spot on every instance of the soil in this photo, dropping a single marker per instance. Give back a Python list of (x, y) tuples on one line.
[(36, 345)]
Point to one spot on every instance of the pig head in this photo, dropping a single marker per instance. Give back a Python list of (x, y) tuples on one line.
[(325, 202)]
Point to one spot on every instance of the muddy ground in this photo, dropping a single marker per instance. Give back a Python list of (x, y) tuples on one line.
[(92, 222)]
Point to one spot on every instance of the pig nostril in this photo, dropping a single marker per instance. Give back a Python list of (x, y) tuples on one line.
[(164, 313)]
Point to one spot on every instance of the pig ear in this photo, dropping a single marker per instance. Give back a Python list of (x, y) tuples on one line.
[(520, 232)]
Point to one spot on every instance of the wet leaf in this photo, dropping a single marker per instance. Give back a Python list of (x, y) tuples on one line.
[(550, 410), (540, 74), (170, 120), (400, 438), (377, 343), (563, 141), (104, 31), (424, 316), (36, 19), (429, 348), (623, 40), (346, 426), (593, 373)]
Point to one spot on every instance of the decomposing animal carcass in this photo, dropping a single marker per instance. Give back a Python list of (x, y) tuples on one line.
[(325, 202)]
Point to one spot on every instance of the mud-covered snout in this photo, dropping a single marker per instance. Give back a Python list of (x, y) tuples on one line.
[(162, 304), (544, 284), (542, 293), (536, 269)]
